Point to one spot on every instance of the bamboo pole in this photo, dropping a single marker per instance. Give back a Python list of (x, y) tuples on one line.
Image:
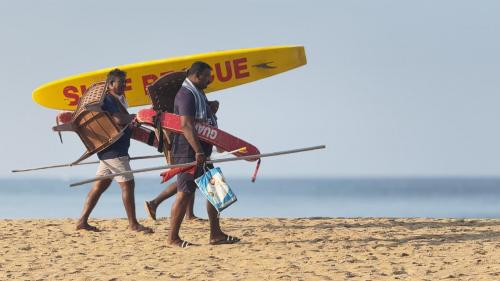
[(82, 163), (95, 162), (257, 156)]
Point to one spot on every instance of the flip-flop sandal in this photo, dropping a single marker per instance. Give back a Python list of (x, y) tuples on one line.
[(197, 219), (228, 240), (184, 244), (149, 210), (93, 228)]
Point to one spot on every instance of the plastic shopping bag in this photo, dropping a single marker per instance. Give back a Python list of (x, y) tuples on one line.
[(213, 185)]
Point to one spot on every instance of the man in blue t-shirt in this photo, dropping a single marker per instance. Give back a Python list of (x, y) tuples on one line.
[(114, 158), (192, 105), (171, 190)]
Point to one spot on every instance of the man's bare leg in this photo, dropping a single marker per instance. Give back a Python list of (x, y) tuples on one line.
[(177, 215), (190, 210), (128, 198), (171, 190), (215, 231), (164, 195), (92, 198), (216, 234)]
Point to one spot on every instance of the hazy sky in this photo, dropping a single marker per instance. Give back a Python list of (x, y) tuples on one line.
[(393, 88)]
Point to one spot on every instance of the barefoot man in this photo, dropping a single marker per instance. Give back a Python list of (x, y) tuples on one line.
[(115, 158), (192, 105)]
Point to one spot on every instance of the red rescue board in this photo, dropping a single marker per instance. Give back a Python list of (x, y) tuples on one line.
[(172, 123), (206, 133)]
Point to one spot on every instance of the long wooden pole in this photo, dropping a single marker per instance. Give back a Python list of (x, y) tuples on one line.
[(95, 162), (82, 163), (194, 163)]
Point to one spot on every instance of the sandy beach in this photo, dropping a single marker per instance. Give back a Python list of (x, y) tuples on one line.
[(272, 249)]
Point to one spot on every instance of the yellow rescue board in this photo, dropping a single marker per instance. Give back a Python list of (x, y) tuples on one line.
[(230, 68)]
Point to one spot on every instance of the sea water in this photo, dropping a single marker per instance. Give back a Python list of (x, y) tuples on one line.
[(288, 198)]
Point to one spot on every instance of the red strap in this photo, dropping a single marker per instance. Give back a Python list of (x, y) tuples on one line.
[(254, 177), (168, 174)]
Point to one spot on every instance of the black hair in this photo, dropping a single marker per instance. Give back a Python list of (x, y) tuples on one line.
[(197, 68), (116, 73)]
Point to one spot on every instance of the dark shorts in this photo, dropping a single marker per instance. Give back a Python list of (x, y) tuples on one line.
[(185, 181)]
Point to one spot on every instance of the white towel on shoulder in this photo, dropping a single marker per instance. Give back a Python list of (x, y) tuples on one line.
[(200, 100)]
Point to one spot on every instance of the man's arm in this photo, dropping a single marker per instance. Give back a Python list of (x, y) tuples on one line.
[(188, 129)]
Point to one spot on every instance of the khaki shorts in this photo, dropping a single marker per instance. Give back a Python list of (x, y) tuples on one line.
[(113, 166)]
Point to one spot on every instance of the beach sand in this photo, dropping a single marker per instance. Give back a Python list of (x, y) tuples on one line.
[(271, 249)]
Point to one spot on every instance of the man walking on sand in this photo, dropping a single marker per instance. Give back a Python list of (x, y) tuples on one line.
[(115, 158), (171, 190), (192, 105)]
